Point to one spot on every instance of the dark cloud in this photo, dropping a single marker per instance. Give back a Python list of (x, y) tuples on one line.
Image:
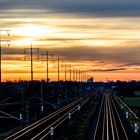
[(104, 10), (12, 51), (106, 54), (120, 55), (137, 68), (131, 64), (106, 70), (84, 7)]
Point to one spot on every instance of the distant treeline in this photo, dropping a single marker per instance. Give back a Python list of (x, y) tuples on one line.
[(127, 89)]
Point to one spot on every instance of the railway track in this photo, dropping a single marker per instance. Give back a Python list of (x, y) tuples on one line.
[(42, 128), (109, 125)]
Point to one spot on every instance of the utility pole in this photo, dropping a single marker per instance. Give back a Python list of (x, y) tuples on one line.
[(31, 59), (58, 68), (31, 63), (30, 50), (65, 77), (47, 54), (6, 40), (65, 71), (42, 96), (80, 83), (58, 83), (70, 72), (65, 80), (81, 76), (47, 63), (57, 60), (47, 72), (76, 75), (73, 74)]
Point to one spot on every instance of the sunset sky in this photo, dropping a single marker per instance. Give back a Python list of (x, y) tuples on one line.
[(100, 37)]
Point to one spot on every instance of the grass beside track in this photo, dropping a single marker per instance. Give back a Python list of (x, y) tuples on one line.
[(129, 101), (81, 126), (132, 101)]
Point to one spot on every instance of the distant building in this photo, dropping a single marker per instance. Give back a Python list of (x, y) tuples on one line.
[(90, 80), (48, 80)]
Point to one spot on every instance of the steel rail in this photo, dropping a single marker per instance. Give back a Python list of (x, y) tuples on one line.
[(58, 120), (107, 125), (119, 119), (72, 112), (114, 120), (45, 119), (98, 118), (110, 114), (103, 122), (39, 122), (64, 116)]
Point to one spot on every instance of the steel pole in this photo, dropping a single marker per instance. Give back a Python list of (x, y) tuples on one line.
[(70, 73), (0, 58), (47, 66), (31, 63), (58, 68)]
